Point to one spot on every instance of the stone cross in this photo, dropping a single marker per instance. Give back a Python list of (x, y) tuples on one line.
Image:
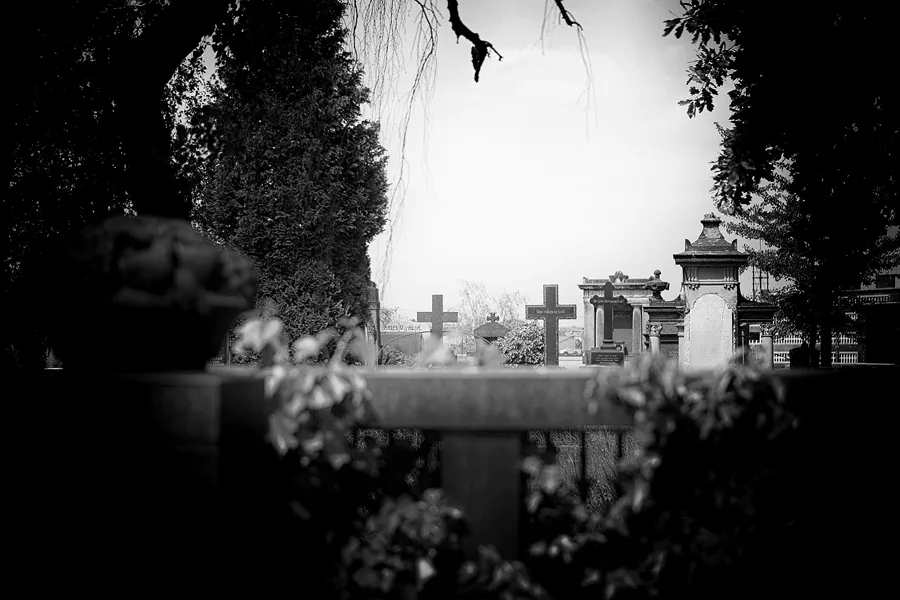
[(607, 302), (492, 318), (437, 317), (551, 312)]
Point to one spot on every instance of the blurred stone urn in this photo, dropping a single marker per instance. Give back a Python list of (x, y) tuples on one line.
[(138, 294)]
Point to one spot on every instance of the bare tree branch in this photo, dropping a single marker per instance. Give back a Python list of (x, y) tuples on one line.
[(480, 48), (566, 15)]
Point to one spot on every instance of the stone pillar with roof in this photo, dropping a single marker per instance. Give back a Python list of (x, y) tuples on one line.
[(711, 290)]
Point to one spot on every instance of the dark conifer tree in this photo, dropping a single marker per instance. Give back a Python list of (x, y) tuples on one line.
[(302, 191)]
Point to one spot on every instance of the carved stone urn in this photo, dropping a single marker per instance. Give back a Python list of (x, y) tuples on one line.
[(145, 294)]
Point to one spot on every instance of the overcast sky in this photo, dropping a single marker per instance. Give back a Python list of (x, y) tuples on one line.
[(518, 184)]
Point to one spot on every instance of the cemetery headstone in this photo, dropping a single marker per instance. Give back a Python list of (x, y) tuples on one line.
[(609, 353), (799, 356), (551, 312), (710, 337), (437, 317), (491, 330)]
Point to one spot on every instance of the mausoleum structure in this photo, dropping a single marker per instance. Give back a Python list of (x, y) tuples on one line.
[(703, 326), (628, 318)]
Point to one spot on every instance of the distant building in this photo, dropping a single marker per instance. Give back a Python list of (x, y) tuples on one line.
[(876, 307)]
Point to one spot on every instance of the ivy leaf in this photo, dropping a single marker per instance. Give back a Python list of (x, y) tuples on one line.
[(305, 348), (538, 548), (338, 388), (532, 465), (256, 334), (424, 571), (319, 399), (551, 478)]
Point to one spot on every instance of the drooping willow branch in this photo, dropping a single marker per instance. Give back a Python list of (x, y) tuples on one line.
[(567, 16), (480, 48)]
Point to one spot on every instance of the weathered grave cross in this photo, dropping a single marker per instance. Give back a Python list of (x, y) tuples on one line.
[(607, 301), (437, 317), (493, 318), (551, 312)]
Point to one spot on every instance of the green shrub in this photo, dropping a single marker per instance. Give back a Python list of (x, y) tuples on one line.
[(524, 344), (393, 356)]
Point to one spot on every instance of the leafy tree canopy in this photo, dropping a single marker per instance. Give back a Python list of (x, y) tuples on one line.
[(94, 128), (813, 133), (819, 255), (304, 190), (811, 85)]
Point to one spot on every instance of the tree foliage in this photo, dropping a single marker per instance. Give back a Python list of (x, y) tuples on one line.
[(810, 95), (304, 190), (524, 344), (810, 86), (389, 314), (95, 126), (820, 255)]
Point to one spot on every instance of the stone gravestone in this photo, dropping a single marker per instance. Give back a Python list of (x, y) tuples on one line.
[(551, 312), (491, 330), (609, 353), (799, 356), (710, 336), (437, 317)]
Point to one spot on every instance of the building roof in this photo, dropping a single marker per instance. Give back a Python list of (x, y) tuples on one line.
[(711, 243), (619, 279), (630, 287)]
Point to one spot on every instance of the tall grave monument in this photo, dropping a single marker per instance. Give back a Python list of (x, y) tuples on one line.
[(711, 292), (551, 312), (607, 352), (628, 319)]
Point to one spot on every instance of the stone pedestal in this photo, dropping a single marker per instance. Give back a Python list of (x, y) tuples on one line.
[(608, 354)]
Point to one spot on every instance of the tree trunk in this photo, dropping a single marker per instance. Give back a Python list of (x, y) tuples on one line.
[(813, 353), (826, 328), (150, 182), (145, 67)]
